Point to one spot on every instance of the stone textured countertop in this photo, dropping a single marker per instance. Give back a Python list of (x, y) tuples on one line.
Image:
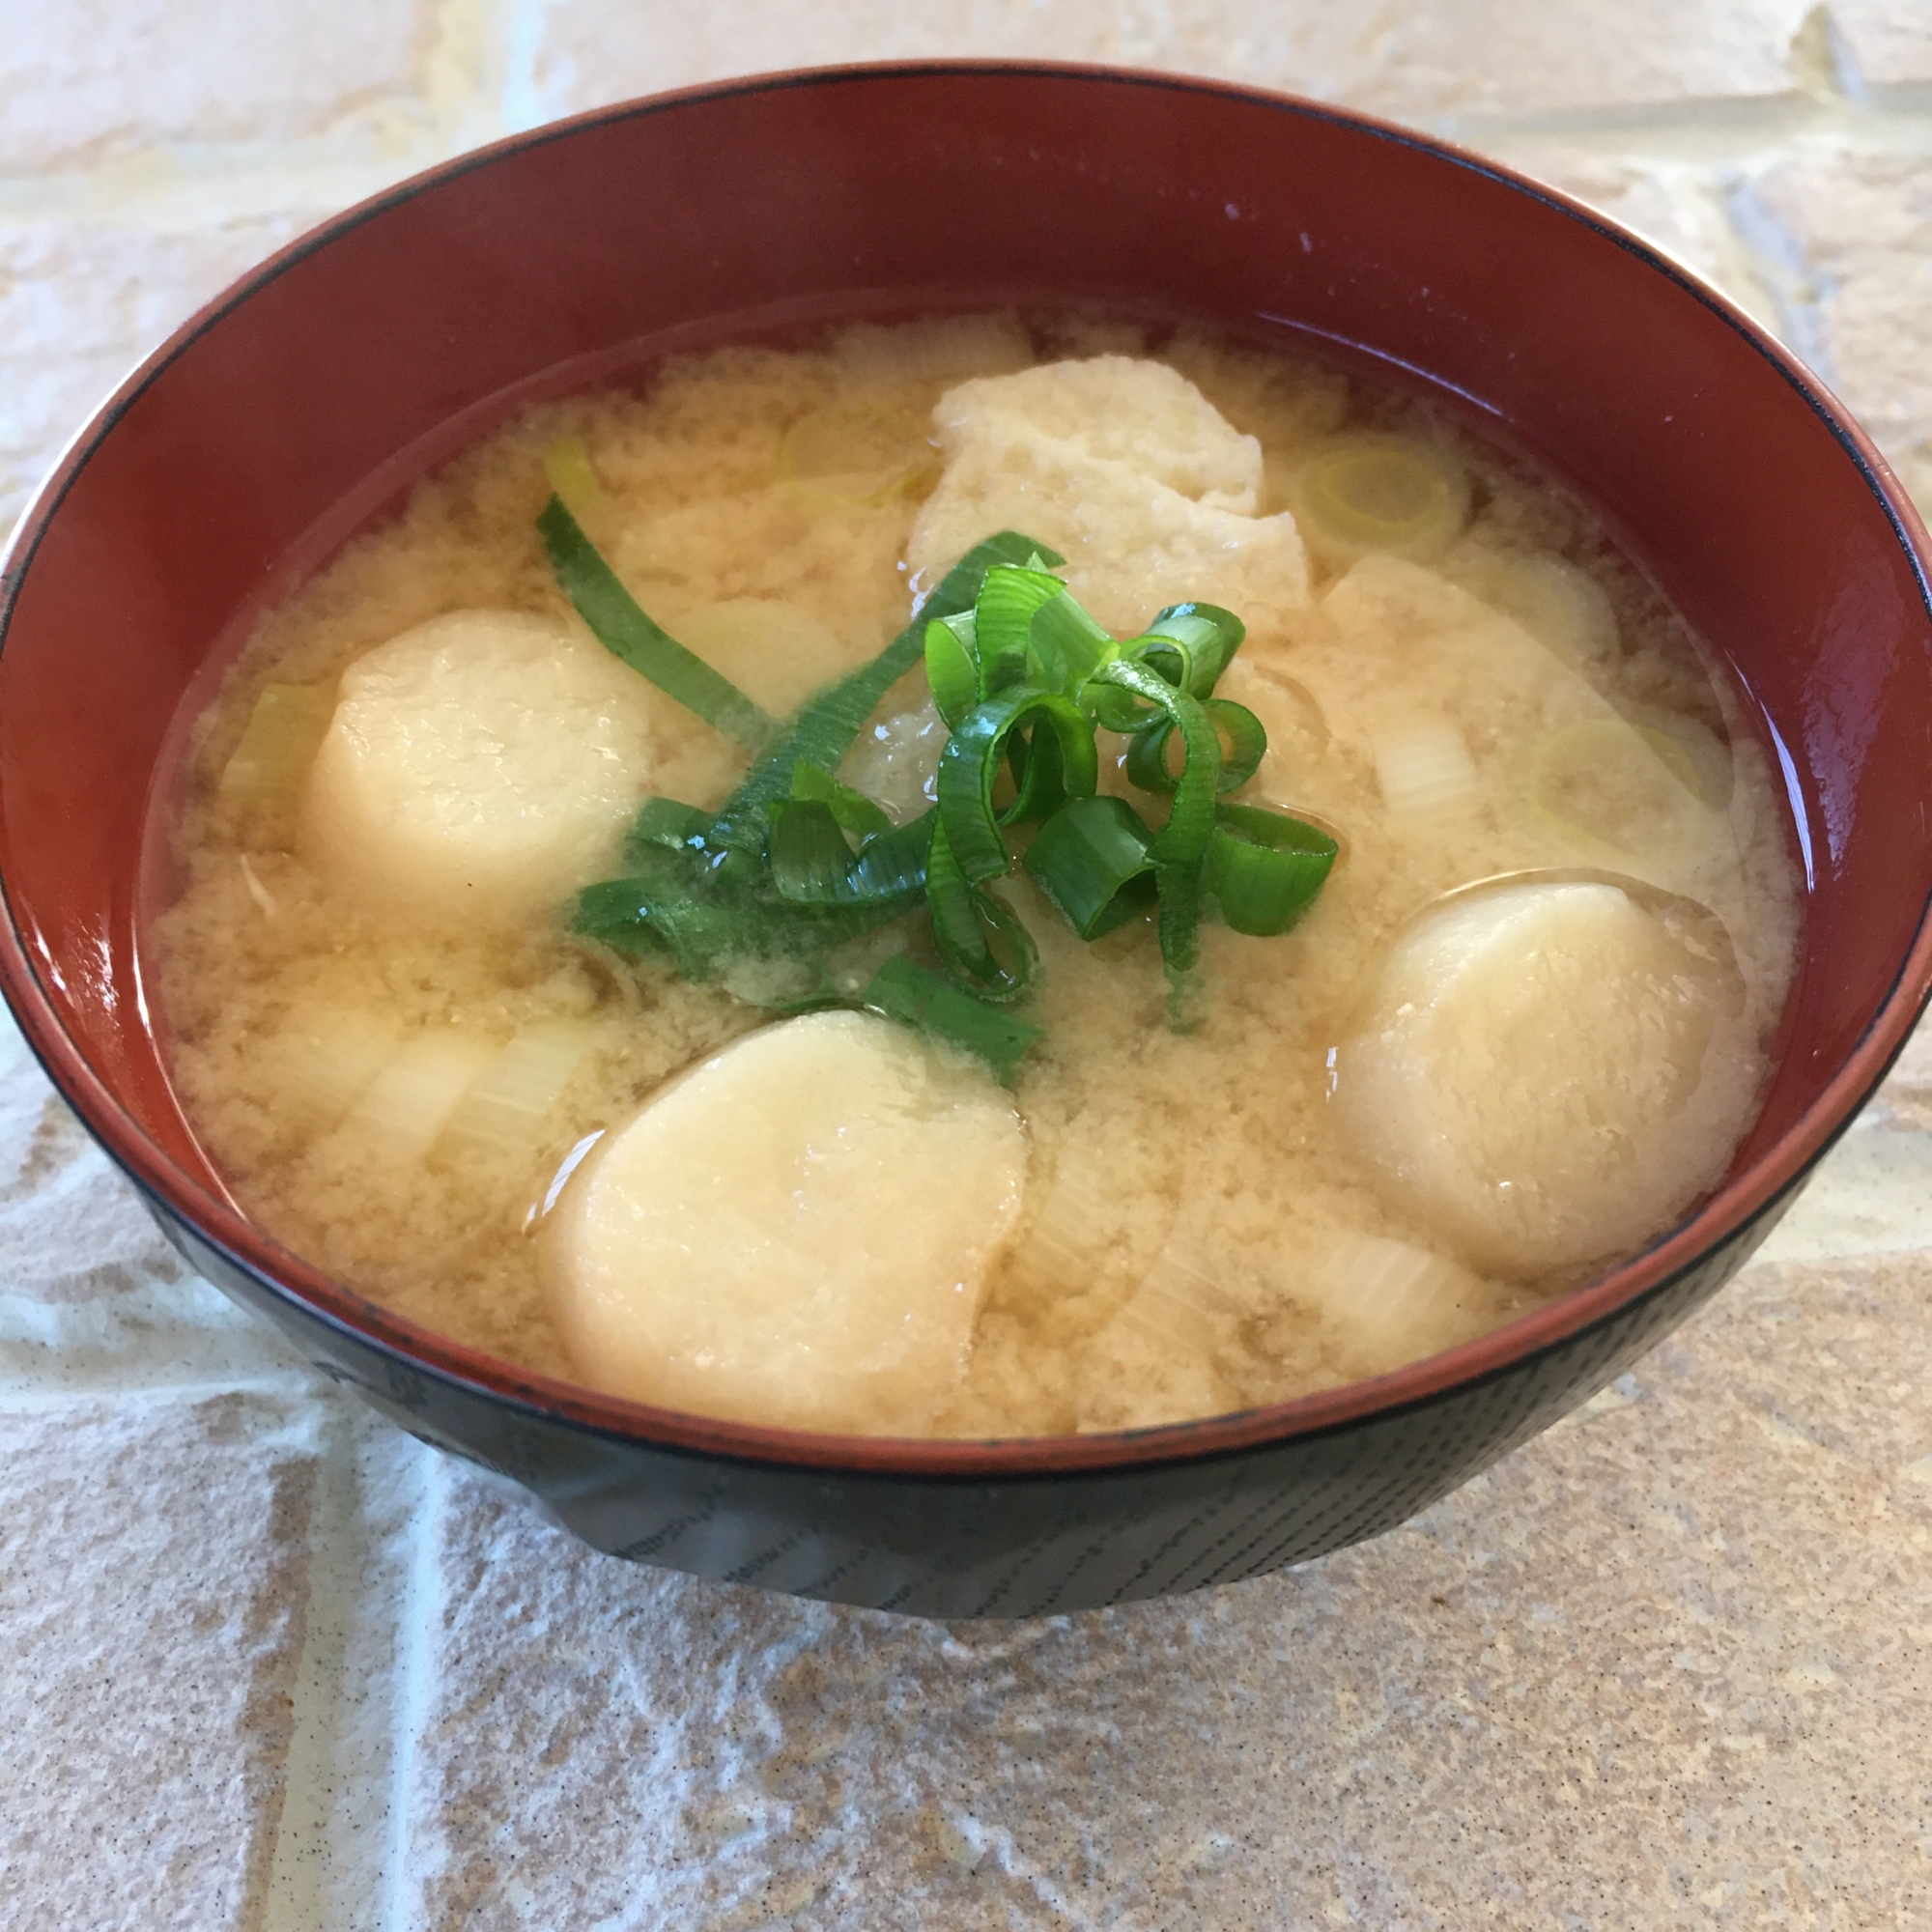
[(265, 1664)]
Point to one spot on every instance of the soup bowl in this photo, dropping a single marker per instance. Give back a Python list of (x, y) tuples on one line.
[(299, 406)]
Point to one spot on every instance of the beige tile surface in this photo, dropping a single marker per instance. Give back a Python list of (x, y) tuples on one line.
[(88, 77), (1668, 1666), (1416, 62), (269, 1665), (154, 1569), (1859, 241)]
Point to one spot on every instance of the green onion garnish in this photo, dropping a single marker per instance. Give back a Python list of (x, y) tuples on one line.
[(979, 937), (1264, 867), (1002, 621), (1179, 847), (969, 770), (797, 863), (953, 665), (667, 822), (853, 809), (914, 997), (1243, 746), (622, 627), (823, 729), (1090, 860)]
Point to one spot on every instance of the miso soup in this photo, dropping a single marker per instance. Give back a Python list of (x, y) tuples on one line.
[(1296, 901)]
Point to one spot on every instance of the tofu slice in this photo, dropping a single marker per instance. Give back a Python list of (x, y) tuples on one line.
[(1547, 1072), (797, 1232), (482, 766), (1129, 472)]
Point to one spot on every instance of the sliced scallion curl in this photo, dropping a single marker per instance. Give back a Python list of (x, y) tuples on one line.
[(953, 666), (1266, 868), (1002, 622), (1245, 741), (1066, 646), (1171, 659), (1185, 836), (667, 822), (1114, 709), (1090, 860), (949, 893), (979, 938), (622, 627), (1147, 755), (822, 731), (811, 863), (1211, 635), (1000, 962), (1039, 778), (908, 993), (857, 814), (894, 863), (970, 766), (1180, 845), (809, 859)]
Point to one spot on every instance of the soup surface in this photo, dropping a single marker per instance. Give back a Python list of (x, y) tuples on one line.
[(1515, 1036)]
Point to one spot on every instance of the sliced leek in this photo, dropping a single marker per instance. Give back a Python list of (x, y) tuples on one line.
[(858, 454), (262, 778), (1363, 495)]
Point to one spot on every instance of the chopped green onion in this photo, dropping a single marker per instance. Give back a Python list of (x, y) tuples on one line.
[(853, 809), (1067, 645), (1022, 675), (1180, 845), (812, 865), (262, 779), (1003, 623), (809, 859), (915, 996), (1170, 658), (979, 938), (667, 822), (1245, 741), (1243, 746), (1090, 860), (896, 860), (625, 631), (682, 910), (1211, 637), (953, 665), (856, 454), (1147, 755), (1266, 868), (822, 732), (970, 765), (1367, 493)]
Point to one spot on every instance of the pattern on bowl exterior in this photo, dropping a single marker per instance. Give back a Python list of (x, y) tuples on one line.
[(305, 400)]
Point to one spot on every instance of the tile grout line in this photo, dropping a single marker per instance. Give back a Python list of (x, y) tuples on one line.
[(337, 1563), (422, 1603)]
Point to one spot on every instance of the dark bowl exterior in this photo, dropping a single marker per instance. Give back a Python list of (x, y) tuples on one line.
[(301, 403), (1019, 1545)]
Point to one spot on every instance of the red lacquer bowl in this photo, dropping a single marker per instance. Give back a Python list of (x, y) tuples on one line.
[(300, 403)]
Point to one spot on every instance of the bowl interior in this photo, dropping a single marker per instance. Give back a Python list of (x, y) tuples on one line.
[(272, 424)]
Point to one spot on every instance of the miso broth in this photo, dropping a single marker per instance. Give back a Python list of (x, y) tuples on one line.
[(1422, 1110)]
